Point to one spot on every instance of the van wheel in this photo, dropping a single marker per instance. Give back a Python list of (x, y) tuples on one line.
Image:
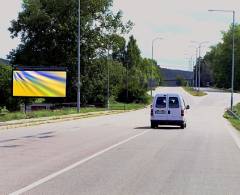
[(153, 125), (182, 126)]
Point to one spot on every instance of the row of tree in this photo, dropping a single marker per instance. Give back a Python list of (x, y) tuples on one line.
[(48, 32), (216, 66)]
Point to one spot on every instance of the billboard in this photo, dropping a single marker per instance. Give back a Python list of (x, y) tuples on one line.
[(39, 83)]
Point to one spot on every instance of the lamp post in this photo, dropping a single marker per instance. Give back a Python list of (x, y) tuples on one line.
[(79, 63), (108, 79), (158, 38), (199, 61), (233, 49), (196, 67), (108, 75), (193, 83), (191, 64)]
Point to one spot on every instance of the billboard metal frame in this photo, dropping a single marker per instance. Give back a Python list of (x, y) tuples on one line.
[(39, 68)]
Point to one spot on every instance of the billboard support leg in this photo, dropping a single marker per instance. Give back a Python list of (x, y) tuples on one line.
[(25, 107)]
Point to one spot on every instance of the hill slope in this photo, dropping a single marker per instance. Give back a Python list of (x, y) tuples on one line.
[(169, 74)]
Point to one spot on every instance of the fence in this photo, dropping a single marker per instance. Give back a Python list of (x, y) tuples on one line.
[(233, 114)]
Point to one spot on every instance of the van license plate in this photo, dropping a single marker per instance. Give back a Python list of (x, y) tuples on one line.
[(160, 112)]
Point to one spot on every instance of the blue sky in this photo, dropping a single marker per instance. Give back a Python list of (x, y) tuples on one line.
[(178, 22)]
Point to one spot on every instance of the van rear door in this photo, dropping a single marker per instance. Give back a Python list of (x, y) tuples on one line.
[(161, 108), (174, 108)]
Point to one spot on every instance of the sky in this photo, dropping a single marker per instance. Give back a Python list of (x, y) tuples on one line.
[(177, 22), (8, 11)]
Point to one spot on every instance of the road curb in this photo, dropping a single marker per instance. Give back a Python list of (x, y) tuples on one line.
[(45, 120)]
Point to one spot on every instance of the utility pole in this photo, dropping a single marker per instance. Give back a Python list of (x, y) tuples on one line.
[(199, 67), (199, 61), (108, 57), (196, 69), (151, 83), (233, 59), (79, 63)]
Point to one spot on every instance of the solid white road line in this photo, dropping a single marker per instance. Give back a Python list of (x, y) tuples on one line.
[(50, 177)]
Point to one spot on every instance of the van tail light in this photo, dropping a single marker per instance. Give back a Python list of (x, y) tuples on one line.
[(151, 112), (182, 112)]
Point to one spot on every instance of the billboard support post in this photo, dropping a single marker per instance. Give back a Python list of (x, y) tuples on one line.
[(25, 107)]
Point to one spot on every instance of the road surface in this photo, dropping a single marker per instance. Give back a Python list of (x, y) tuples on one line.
[(121, 155)]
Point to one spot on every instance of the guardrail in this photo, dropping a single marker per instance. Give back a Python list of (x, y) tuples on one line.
[(36, 107), (233, 114)]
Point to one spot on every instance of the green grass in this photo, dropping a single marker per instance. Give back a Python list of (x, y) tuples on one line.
[(122, 106), (193, 92), (233, 120), (44, 113), (236, 109), (8, 116)]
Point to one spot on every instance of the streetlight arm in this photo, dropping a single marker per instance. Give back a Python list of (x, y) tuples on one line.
[(219, 10), (158, 38)]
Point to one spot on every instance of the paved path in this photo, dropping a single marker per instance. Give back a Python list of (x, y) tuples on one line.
[(126, 156)]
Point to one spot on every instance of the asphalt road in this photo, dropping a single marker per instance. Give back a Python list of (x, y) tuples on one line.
[(120, 154)]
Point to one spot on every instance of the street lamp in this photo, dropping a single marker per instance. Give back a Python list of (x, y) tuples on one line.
[(196, 71), (199, 61), (157, 38), (191, 64), (79, 63), (108, 79), (233, 48)]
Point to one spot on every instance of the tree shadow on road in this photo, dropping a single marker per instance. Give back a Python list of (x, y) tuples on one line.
[(10, 146)]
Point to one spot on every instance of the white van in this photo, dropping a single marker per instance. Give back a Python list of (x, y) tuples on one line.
[(168, 109)]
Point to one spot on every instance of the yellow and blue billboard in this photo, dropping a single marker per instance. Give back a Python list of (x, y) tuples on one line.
[(39, 83)]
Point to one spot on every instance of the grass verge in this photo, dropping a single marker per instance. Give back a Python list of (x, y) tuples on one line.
[(193, 92), (233, 120), (9, 116)]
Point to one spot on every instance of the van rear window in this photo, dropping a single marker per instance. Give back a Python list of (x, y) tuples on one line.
[(173, 102), (161, 102)]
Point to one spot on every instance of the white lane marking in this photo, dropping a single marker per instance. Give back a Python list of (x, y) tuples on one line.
[(50, 177)]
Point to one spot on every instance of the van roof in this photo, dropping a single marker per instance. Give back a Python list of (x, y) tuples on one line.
[(169, 94)]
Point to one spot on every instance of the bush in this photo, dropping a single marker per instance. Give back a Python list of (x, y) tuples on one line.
[(6, 100)]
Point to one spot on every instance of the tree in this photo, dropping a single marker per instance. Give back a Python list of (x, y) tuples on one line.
[(6, 99), (180, 81), (48, 30), (139, 72), (220, 60), (152, 71), (118, 47), (133, 54)]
